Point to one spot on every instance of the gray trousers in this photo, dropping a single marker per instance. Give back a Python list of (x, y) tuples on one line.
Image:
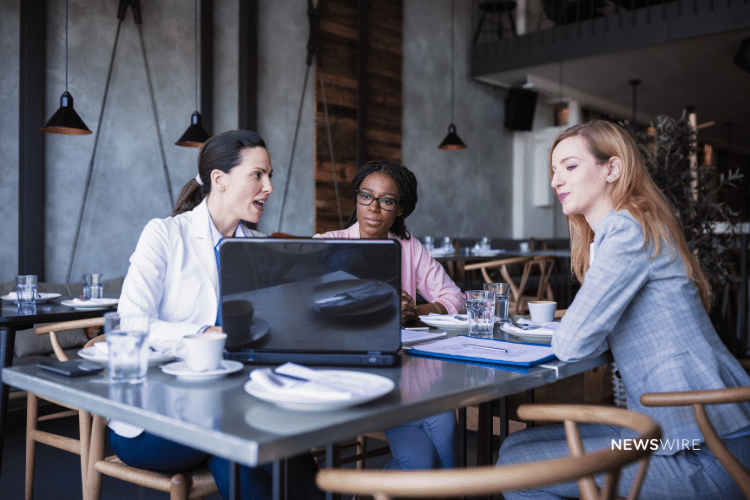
[(687, 474)]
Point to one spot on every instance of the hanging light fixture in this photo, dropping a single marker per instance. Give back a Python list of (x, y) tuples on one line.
[(66, 121), (452, 142), (195, 135)]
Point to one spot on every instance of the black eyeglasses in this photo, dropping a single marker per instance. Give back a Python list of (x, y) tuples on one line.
[(385, 203)]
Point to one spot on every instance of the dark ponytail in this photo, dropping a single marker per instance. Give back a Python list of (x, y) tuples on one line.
[(223, 152)]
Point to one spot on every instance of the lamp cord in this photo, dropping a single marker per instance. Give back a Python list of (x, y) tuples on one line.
[(453, 57), (294, 147), (195, 65), (66, 45)]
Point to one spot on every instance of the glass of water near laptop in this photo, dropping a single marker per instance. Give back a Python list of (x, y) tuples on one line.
[(480, 311), (93, 286), (127, 346), (502, 299), (26, 289)]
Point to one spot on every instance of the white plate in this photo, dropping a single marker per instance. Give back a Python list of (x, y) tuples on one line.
[(293, 402), (40, 297), (182, 372), (93, 354), (445, 324), (530, 335), (90, 304), (486, 253)]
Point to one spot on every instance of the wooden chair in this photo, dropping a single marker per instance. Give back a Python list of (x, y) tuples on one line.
[(581, 466), (34, 435), (698, 400), (91, 446), (542, 265)]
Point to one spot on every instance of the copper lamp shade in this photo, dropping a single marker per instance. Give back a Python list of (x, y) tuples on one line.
[(195, 135), (452, 141), (66, 121)]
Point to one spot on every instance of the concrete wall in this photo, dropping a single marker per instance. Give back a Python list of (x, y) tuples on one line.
[(128, 185), (9, 56), (463, 193)]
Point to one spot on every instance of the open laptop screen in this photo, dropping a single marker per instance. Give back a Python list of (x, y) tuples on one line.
[(312, 301)]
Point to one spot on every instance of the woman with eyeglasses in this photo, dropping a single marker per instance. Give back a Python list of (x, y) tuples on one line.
[(386, 193)]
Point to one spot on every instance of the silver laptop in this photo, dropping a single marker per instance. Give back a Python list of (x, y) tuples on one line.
[(311, 301)]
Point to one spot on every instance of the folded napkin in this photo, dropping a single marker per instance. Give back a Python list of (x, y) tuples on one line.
[(545, 328), (354, 298), (447, 319), (305, 390), (91, 302)]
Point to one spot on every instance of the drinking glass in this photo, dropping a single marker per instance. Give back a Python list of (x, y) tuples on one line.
[(128, 348), (502, 299), (480, 309), (93, 286), (26, 289), (429, 243)]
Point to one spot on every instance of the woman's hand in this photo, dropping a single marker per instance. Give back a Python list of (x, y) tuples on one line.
[(408, 307), (213, 329)]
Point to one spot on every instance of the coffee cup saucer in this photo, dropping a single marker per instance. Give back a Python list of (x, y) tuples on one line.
[(182, 372)]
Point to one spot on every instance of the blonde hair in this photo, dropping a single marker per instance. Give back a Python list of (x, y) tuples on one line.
[(634, 191)]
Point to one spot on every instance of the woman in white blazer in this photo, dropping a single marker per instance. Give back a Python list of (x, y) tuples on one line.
[(173, 279)]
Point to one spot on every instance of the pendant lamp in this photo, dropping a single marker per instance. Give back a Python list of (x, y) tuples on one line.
[(452, 142), (195, 135), (66, 121)]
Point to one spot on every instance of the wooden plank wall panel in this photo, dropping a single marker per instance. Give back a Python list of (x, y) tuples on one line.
[(339, 57)]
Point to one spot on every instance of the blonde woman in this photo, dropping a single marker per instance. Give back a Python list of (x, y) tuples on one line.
[(644, 297)]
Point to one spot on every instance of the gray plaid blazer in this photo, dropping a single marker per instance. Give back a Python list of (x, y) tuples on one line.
[(648, 313)]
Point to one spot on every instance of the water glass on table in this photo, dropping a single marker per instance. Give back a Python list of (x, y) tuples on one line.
[(429, 243), (26, 289), (128, 348), (93, 286), (480, 310), (502, 299)]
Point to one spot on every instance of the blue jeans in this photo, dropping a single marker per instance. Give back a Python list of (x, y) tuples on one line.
[(427, 443), (689, 474), (150, 452)]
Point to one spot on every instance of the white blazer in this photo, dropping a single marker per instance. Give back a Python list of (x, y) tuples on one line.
[(173, 277)]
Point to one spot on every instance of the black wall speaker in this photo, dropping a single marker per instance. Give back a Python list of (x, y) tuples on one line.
[(519, 108), (742, 57)]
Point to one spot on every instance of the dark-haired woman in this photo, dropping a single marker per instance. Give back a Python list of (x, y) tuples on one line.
[(386, 193), (173, 279)]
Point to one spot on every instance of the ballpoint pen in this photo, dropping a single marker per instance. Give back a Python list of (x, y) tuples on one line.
[(485, 347)]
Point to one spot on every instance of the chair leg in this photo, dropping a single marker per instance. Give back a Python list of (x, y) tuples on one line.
[(84, 436), (178, 487), (32, 413), (96, 454), (362, 448)]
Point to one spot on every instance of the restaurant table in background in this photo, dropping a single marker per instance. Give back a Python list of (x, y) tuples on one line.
[(14, 318), (230, 423), (464, 255)]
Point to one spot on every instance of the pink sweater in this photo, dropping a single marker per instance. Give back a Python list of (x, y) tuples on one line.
[(419, 271)]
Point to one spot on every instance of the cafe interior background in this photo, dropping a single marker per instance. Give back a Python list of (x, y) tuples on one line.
[(252, 60)]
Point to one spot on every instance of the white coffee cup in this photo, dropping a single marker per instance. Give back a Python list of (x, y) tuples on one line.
[(202, 352), (542, 311)]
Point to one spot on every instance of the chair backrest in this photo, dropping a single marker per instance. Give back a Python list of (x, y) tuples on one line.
[(698, 400), (581, 466), (54, 328), (502, 265)]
